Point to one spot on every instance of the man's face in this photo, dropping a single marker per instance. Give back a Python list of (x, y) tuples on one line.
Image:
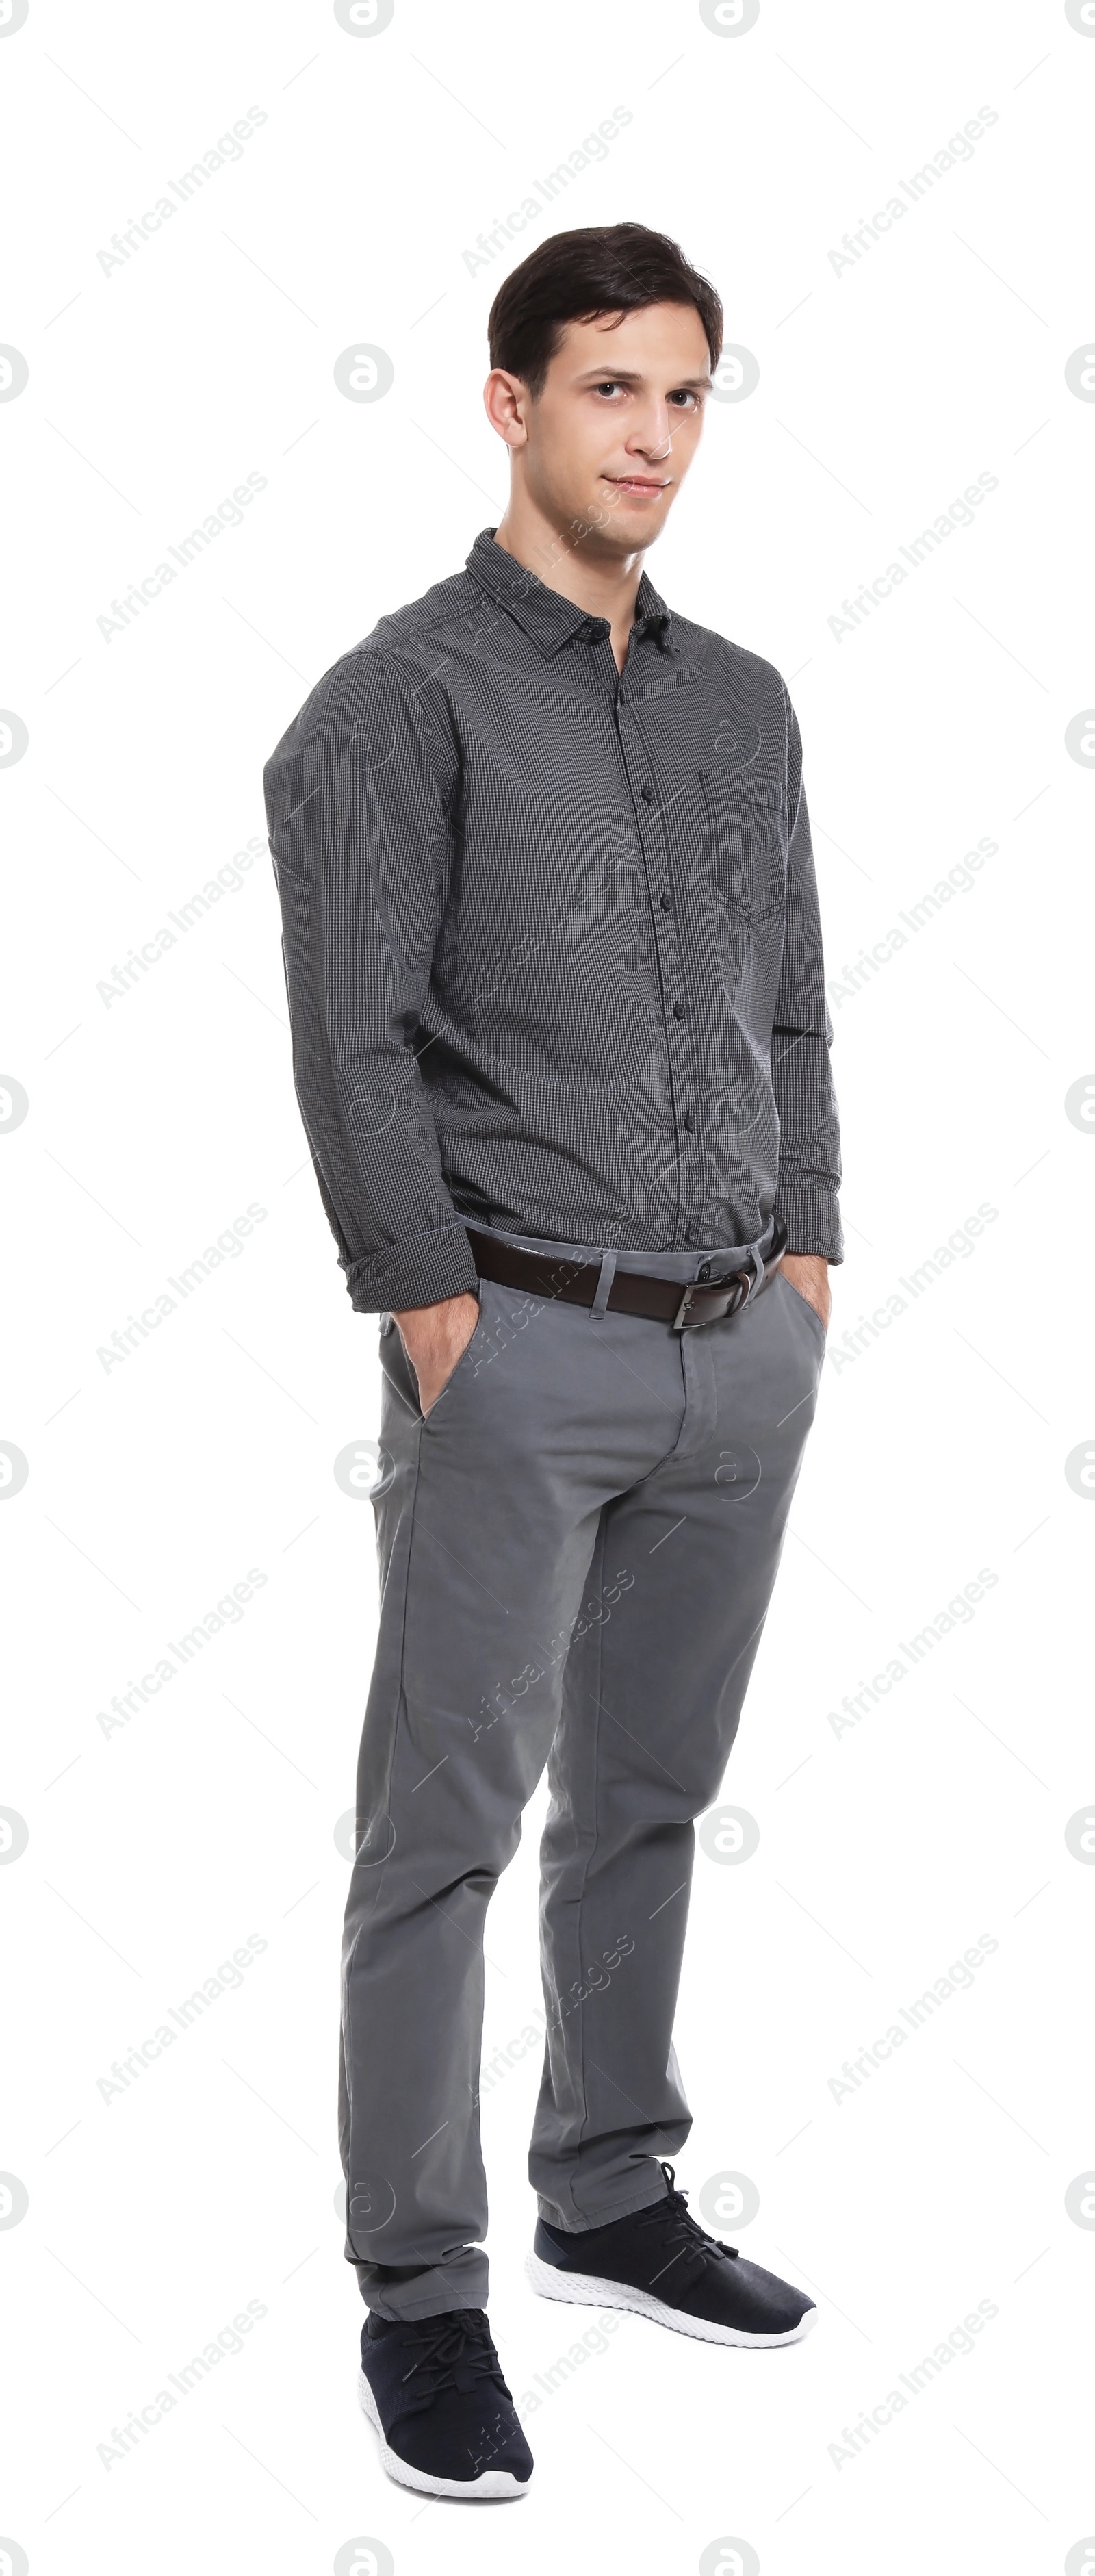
[(612, 435)]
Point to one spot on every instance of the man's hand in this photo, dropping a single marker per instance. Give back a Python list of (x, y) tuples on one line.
[(808, 1272), (433, 1338)]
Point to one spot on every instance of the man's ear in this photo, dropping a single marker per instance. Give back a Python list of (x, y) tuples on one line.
[(506, 401)]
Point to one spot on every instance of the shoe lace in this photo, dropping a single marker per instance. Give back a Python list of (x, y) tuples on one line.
[(454, 2351), (686, 2241)]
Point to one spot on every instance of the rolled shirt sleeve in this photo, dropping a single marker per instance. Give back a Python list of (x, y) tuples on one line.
[(356, 800), (809, 1170)]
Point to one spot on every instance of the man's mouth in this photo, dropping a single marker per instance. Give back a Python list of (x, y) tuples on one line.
[(640, 483)]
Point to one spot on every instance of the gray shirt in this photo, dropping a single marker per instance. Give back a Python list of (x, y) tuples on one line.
[(551, 940)]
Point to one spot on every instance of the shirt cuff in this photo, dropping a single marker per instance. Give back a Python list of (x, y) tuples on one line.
[(418, 1273), (812, 1218)]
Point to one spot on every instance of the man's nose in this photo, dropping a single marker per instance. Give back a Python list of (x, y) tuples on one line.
[(654, 441)]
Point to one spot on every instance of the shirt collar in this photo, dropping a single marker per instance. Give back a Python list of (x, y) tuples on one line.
[(544, 614)]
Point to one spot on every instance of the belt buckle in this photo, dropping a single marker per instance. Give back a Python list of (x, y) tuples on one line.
[(739, 1284)]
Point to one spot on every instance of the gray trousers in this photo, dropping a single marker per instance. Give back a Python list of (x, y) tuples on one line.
[(577, 1549)]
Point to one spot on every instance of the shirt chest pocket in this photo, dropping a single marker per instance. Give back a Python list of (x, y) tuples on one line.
[(748, 836)]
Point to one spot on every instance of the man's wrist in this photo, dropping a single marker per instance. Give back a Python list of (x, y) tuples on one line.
[(440, 1307), (808, 1274), (435, 1338)]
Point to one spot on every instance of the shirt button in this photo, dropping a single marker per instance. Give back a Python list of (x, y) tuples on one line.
[(666, 902), (647, 794), (689, 1120), (704, 1271), (679, 1010)]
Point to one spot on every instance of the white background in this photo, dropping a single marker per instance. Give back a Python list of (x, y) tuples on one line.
[(158, 1117)]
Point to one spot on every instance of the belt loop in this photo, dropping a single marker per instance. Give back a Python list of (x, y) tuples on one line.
[(604, 1283)]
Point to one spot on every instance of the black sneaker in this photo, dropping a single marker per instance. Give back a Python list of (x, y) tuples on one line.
[(435, 2392), (659, 2263)]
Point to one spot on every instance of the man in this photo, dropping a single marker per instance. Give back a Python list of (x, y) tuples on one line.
[(561, 1049)]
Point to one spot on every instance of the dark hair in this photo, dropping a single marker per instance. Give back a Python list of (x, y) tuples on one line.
[(575, 277)]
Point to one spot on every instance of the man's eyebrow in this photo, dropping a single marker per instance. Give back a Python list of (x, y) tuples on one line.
[(629, 376)]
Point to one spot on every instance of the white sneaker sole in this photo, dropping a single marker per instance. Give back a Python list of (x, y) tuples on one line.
[(493, 2482), (584, 2291)]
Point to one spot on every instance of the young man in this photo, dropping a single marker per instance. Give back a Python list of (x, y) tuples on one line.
[(561, 1049)]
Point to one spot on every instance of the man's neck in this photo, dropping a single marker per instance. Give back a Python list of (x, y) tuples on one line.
[(606, 586)]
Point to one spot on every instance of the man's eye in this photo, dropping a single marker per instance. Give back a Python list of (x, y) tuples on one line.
[(609, 387)]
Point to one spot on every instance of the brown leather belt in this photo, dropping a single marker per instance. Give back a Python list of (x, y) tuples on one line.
[(633, 1292)]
